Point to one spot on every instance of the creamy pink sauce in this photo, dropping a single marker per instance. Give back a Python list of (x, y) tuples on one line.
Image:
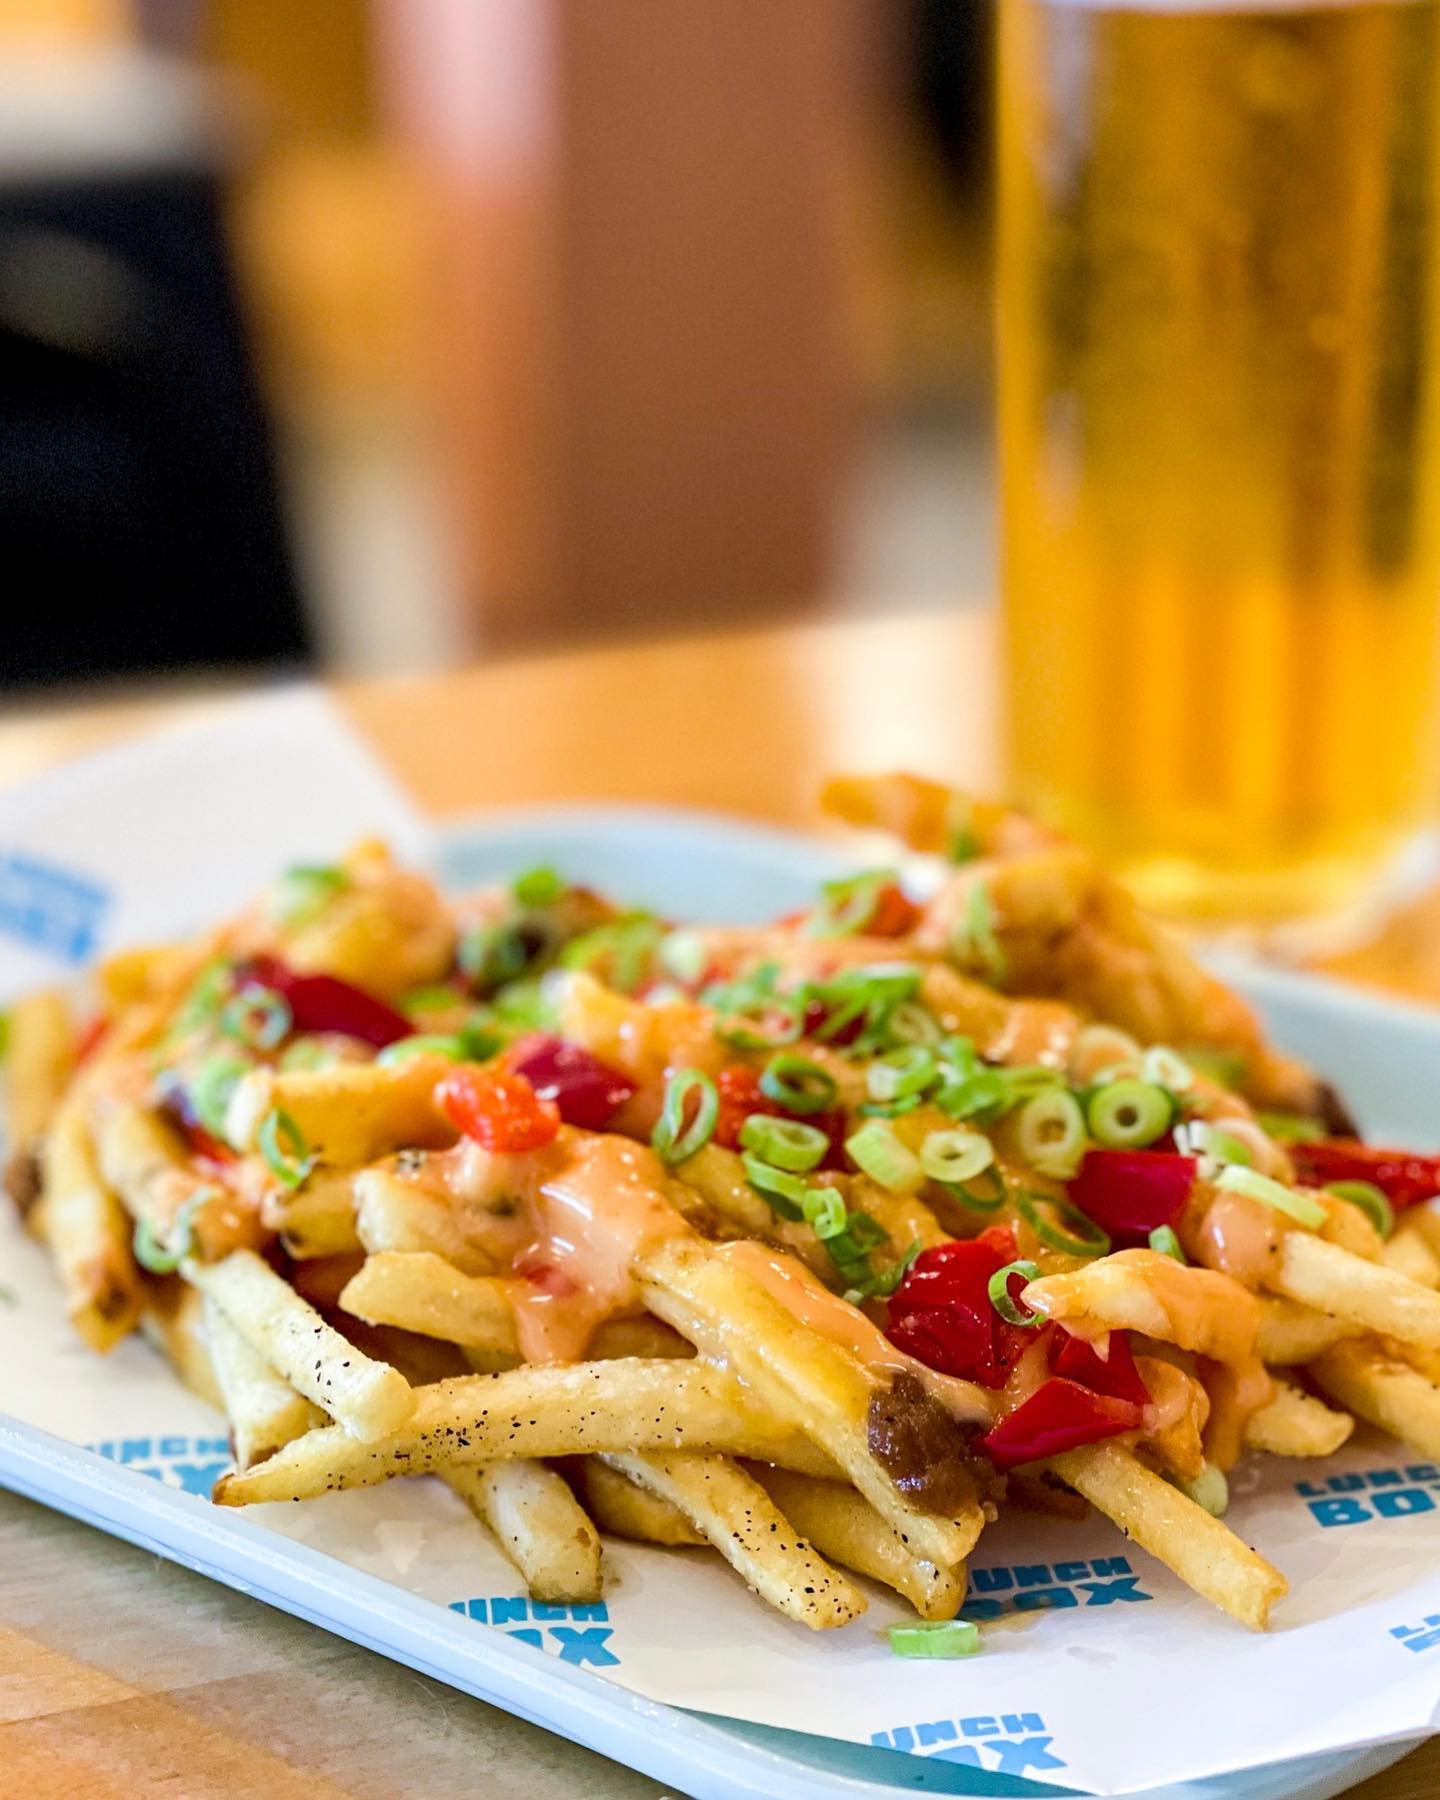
[(1035, 1031)]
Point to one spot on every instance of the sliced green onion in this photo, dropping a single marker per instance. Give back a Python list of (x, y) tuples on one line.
[(963, 846), (283, 1146), (1163, 1239), (1364, 1194), (777, 1020), (203, 1002), (974, 938), (797, 1084), (1166, 1069), (1291, 1128), (540, 886), (888, 1109), (164, 1256), (784, 1143), (257, 1016), (1198, 1137), (901, 1073), (524, 1002), (876, 1150), (826, 1212), (492, 954), (1050, 1133), (1300, 1207), (1209, 1490), (435, 998), (910, 1022), (880, 1287), (684, 955), (991, 1201), (1126, 1115), (1060, 1225), (956, 1156), (847, 907), (305, 890), (424, 1043), (784, 1193), (307, 1053), (210, 1090), (1227, 1067), (980, 1095), (1004, 1301), (672, 1139), (935, 1638), (624, 948)]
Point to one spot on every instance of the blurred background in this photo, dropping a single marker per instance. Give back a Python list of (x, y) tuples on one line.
[(382, 334)]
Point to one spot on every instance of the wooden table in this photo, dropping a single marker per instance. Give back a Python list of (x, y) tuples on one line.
[(123, 1676)]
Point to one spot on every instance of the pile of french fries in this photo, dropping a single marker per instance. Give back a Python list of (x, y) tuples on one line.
[(631, 1324)]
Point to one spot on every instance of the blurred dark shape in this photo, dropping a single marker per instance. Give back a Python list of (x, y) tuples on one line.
[(138, 503), (950, 62)]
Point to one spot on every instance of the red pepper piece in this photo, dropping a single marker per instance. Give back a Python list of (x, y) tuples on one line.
[(587, 1091), (941, 1314), (1059, 1415), (502, 1112), (739, 1091), (1130, 1193), (895, 913), (325, 1003), (1404, 1177), (1116, 1375)]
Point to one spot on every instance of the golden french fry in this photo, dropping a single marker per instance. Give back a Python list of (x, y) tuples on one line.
[(1294, 1423), (393, 1213), (348, 1114), (131, 977), (1292, 1333), (1383, 1390), (88, 1234), (420, 1291), (38, 1064), (173, 1323), (538, 1523), (1202, 1551), (1324, 1276), (847, 1529), (637, 1337), (370, 1399), (621, 1509), (739, 1518), (145, 1164), (317, 1218), (537, 1411), (1409, 1253), (265, 1411), (1141, 1290), (806, 1379)]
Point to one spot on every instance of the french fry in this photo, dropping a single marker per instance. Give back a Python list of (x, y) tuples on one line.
[(38, 1063), (1292, 1333), (420, 1291), (265, 1411), (847, 1529), (1383, 1390), (1324, 1276), (1408, 1253), (537, 1411), (392, 1213), (173, 1323), (538, 1523), (1203, 1552), (131, 977), (88, 1234), (638, 1337), (1294, 1423), (369, 1399), (808, 1380), (739, 1518), (315, 1219), (145, 1164), (348, 1114), (622, 1509)]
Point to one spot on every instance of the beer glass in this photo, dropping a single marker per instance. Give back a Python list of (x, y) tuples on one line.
[(1219, 344)]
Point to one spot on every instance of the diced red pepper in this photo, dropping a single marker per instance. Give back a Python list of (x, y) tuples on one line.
[(1059, 1415), (1403, 1176), (1115, 1374), (325, 1003), (90, 1038), (1130, 1193), (739, 1091), (587, 1091), (502, 1112), (941, 1314), (895, 913)]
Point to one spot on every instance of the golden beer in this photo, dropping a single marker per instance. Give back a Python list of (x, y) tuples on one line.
[(1219, 334)]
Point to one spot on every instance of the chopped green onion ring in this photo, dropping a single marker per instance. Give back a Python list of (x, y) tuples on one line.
[(423, 1043), (283, 1146), (910, 1022), (1128, 1114), (1167, 1070), (211, 1087), (672, 1139), (1073, 1235), (257, 1016), (1364, 1194), (974, 939), (982, 1203), (784, 1143), (784, 1193), (935, 1638), (163, 1257), (1290, 1128), (900, 1073), (304, 891), (847, 906), (1004, 1301), (1050, 1132), (797, 1084), (1163, 1239), (876, 1150), (1300, 1207), (540, 886), (956, 1156)]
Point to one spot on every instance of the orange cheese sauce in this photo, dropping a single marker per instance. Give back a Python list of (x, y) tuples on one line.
[(1233, 1234)]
